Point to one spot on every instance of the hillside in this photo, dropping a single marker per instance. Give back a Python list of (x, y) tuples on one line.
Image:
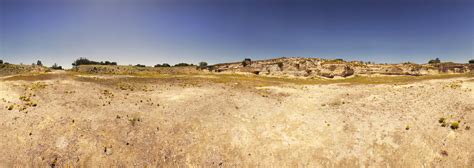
[(316, 67), (133, 70), (12, 69)]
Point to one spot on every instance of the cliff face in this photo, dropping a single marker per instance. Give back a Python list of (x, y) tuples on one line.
[(315, 67)]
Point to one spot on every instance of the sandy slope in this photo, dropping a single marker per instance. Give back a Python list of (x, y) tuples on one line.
[(101, 122)]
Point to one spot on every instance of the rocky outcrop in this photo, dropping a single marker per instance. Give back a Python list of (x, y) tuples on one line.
[(316, 67)]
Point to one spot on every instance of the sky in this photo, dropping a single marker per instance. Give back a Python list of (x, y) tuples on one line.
[(216, 31)]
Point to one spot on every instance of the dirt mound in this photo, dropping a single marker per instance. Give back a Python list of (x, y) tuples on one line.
[(132, 70), (12, 69)]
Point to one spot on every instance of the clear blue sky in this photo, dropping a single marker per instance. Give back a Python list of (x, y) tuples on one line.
[(172, 31)]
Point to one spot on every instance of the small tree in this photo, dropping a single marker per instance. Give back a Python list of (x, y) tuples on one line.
[(1, 61), (435, 61), (470, 61), (247, 61), (203, 64), (55, 66), (39, 63)]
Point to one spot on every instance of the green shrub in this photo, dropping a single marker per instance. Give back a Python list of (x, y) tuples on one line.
[(435, 61), (163, 65), (55, 66), (455, 125), (183, 64), (85, 61), (203, 64), (247, 61)]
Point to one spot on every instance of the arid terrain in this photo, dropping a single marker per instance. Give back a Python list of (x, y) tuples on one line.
[(219, 120)]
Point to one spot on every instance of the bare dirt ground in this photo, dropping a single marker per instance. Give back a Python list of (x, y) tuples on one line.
[(63, 119)]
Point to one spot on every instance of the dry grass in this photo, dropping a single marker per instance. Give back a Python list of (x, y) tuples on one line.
[(247, 80)]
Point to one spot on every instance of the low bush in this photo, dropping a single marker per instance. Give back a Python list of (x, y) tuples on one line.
[(247, 61), (55, 66), (203, 64), (455, 125), (163, 65), (435, 61), (183, 64), (85, 61)]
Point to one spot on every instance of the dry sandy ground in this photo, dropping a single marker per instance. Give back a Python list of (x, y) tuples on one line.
[(76, 121)]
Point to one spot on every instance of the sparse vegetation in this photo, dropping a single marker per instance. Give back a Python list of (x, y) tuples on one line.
[(55, 66), (162, 65), (10, 107), (183, 64), (435, 61), (280, 65), (191, 106), (442, 120), (203, 64), (134, 120), (455, 125), (85, 61), (246, 62)]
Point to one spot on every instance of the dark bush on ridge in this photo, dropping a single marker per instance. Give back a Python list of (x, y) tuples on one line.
[(247, 61), (435, 61), (85, 61), (139, 65), (203, 64), (183, 64), (1, 61), (471, 61), (162, 65), (55, 66)]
